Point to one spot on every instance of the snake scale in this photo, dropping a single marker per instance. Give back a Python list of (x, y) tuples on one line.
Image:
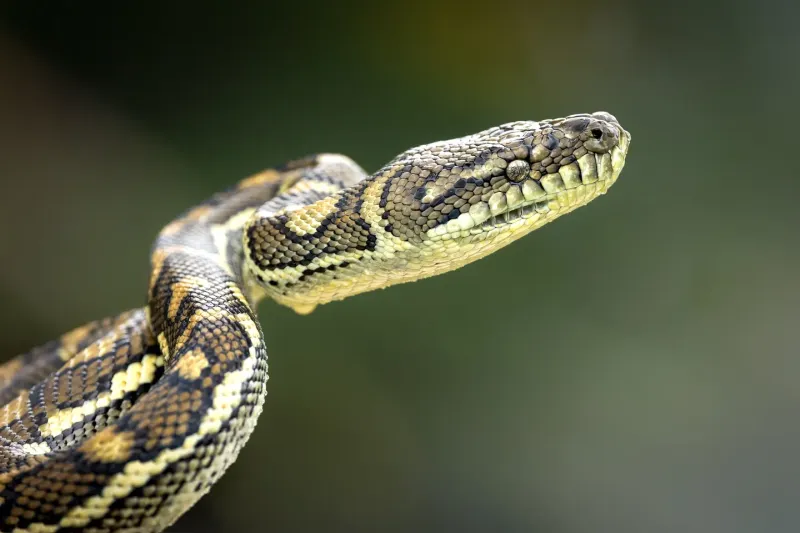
[(124, 423)]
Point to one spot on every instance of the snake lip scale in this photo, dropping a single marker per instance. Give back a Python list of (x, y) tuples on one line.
[(122, 424)]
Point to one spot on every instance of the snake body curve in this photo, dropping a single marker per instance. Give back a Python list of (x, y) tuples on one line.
[(124, 423)]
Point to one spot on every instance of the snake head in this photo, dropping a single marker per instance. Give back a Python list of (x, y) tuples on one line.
[(470, 195)]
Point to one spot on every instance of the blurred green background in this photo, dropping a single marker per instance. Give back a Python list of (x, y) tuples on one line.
[(632, 368)]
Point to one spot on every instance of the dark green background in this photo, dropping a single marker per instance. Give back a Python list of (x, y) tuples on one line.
[(632, 368)]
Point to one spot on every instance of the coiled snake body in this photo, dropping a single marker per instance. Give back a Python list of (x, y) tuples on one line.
[(123, 424)]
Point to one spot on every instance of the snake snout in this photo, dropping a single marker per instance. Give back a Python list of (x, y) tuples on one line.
[(604, 135), (599, 132)]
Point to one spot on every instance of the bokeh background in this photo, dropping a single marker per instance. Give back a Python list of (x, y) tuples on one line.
[(632, 368)]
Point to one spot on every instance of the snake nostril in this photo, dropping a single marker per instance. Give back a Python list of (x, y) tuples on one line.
[(600, 137)]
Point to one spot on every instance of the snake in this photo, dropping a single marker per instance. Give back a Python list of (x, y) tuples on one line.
[(122, 424)]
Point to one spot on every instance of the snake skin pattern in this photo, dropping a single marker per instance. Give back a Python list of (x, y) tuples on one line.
[(124, 423)]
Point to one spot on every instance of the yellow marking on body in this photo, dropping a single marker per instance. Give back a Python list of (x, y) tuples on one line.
[(289, 180), (15, 409), (192, 364), (101, 346), (306, 221), (181, 289), (163, 345), (157, 259), (198, 213), (311, 185), (109, 446), (126, 380), (70, 341), (262, 178), (160, 255), (9, 370), (226, 397), (36, 528), (195, 319)]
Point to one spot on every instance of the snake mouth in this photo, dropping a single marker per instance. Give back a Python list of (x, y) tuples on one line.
[(528, 204)]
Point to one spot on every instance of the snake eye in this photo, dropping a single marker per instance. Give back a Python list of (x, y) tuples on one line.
[(517, 170)]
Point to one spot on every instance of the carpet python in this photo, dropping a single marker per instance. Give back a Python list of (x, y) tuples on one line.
[(124, 423)]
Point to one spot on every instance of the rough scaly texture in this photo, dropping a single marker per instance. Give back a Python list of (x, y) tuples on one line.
[(123, 424)]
